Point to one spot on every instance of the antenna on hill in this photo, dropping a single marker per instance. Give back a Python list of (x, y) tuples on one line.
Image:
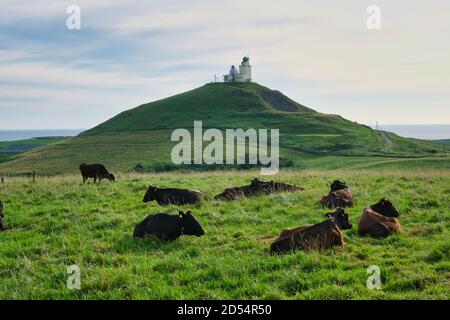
[(377, 126)]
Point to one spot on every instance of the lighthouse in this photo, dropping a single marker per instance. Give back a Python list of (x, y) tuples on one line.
[(244, 74)]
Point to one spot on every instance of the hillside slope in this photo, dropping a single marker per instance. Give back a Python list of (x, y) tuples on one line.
[(142, 135)]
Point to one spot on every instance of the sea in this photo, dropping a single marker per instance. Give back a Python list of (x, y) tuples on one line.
[(13, 135), (419, 131)]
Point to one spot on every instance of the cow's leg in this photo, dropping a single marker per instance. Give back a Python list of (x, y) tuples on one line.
[(84, 179), (339, 239), (95, 179)]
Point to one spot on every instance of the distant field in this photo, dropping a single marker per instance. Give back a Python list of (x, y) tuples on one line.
[(10, 149), (57, 222)]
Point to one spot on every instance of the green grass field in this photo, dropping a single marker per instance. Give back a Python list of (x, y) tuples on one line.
[(57, 222)]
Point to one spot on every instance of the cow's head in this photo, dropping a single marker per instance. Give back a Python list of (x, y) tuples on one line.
[(256, 181), (191, 226), (385, 208), (337, 185), (111, 177), (150, 195), (341, 218)]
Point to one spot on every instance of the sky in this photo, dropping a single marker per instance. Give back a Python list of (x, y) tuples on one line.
[(319, 53)]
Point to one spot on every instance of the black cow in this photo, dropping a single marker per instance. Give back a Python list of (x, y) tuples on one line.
[(167, 227), (96, 171), (2, 226), (172, 196)]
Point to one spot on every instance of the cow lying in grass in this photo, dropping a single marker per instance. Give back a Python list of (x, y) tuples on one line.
[(167, 227), (318, 236), (172, 196), (340, 196), (379, 220), (256, 187), (2, 226), (96, 171)]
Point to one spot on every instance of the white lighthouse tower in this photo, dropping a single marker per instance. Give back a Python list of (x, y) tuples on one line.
[(244, 74)]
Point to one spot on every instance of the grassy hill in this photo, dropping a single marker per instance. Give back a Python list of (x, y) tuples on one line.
[(142, 135), (57, 222)]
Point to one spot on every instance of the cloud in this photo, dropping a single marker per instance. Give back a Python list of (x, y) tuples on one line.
[(131, 52)]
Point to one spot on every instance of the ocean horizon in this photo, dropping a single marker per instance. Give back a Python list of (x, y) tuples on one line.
[(417, 131), (13, 135)]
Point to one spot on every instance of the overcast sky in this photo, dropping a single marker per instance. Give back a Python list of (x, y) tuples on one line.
[(319, 53)]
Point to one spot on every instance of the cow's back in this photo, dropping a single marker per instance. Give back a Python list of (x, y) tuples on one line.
[(178, 196), (92, 170), (377, 225), (319, 236), (161, 225)]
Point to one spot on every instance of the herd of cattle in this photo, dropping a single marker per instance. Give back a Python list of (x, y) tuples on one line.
[(377, 220)]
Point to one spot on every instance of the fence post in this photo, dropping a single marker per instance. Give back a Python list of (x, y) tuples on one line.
[(34, 176), (3, 180)]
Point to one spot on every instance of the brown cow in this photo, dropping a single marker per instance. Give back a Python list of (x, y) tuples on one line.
[(314, 237), (338, 199), (256, 188), (379, 220), (2, 226)]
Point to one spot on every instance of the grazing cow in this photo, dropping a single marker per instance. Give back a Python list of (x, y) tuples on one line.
[(319, 236), (379, 220), (2, 226), (96, 171), (172, 196), (340, 198), (255, 188), (167, 227)]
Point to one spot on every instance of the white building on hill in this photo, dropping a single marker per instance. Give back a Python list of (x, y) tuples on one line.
[(244, 74)]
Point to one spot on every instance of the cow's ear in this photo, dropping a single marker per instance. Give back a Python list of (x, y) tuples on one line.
[(181, 214)]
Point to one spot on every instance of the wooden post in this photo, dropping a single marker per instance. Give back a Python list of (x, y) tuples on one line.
[(34, 176), (3, 180)]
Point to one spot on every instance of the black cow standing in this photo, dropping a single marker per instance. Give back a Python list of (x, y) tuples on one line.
[(172, 196), (167, 227), (2, 227), (96, 171)]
